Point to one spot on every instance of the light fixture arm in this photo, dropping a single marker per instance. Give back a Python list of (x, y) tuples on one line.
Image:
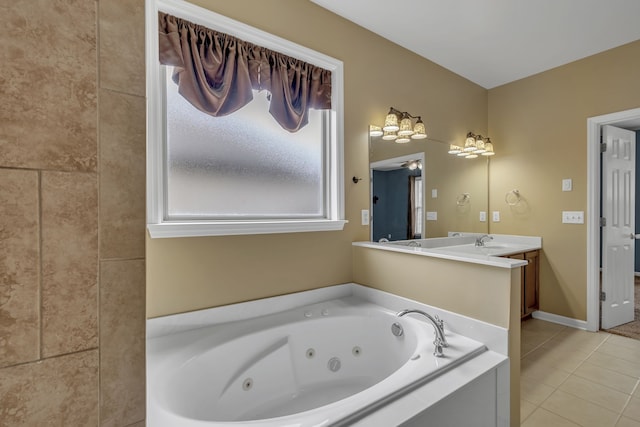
[(400, 114)]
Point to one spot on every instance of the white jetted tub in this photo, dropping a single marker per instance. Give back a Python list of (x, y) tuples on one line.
[(325, 363)]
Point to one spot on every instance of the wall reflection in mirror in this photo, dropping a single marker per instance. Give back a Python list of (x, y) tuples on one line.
[(419, 190)]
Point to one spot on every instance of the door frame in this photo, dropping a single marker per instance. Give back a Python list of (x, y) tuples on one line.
[(594, 125)]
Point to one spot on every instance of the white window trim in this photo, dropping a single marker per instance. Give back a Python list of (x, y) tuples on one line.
[(157, 226)]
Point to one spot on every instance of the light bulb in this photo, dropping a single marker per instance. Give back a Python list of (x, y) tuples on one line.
[(391, 122), (419, 130), (479, 146), (389, 136), (488, 146), (454, 149), (406, 127), (470, 143), (375, 130)]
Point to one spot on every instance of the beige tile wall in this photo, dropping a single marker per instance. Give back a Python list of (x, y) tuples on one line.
[(72, 167)]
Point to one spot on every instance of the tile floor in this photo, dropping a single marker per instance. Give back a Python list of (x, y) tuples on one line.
[(571, 377)]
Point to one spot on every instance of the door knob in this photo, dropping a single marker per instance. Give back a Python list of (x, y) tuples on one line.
[(634, 236)]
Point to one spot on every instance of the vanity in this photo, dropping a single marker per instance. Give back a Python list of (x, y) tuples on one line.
[(530, 282), (485, 282), (459, 245)]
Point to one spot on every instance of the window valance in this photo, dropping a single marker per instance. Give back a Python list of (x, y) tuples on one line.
[(217, 72)]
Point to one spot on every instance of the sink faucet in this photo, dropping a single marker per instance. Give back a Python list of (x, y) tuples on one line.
[(438, 326), (480, 241)]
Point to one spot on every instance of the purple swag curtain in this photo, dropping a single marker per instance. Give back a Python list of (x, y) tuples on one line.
[(217, 72)]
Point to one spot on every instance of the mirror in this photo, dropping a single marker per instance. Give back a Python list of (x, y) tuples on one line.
[(448, 194)]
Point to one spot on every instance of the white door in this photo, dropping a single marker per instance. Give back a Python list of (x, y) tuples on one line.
[(618, 234)]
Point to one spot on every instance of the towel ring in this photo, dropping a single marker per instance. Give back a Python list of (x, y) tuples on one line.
[(463, 199), (512, 197)]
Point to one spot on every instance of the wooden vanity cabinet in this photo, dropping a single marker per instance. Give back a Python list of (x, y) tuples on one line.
[(529, 282)]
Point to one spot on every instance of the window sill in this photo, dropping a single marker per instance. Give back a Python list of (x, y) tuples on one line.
[(231, 228)]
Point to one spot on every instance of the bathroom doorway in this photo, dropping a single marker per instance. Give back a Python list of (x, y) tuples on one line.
[(629, 120)]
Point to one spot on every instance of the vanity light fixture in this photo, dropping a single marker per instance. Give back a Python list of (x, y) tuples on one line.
[(474, 145), (399, 127)]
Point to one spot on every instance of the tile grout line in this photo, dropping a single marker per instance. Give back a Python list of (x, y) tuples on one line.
[(572, 373), (522, 356), (629, 399), (618, 415), (537, 406), (40, 272)]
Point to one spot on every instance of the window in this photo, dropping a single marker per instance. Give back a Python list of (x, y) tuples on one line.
[(241, 173)]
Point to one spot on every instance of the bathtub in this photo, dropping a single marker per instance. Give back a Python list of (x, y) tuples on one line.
[(328, 363)]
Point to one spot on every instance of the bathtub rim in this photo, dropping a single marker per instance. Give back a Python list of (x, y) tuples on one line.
[(494, 337)]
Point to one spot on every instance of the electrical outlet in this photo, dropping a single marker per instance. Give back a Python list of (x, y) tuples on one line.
[(432, 216), (572, 217), (483, 216), (434, 193), (365, 216), (567, 184), (496, 216)]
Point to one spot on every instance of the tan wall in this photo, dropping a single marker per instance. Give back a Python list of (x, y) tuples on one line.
[(188, 274), (481, 292), (72, 155), (539, 129)]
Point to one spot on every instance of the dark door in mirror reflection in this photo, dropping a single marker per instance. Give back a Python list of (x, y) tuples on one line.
[(397, 204)]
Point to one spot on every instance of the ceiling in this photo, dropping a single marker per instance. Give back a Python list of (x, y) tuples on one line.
[(493, 42)]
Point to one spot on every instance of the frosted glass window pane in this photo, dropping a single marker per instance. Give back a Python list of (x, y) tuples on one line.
[(241, 166)]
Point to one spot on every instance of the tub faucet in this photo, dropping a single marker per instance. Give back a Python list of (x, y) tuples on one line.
[(438, 327), (480, 241)]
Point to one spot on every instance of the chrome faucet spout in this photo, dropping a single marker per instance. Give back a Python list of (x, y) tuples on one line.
[(438, 328), (480, 241)]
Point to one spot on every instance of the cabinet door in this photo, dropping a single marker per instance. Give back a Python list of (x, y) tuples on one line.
[(531, 282)]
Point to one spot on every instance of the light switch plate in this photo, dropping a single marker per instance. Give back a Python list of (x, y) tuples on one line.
[(434, 193), (496, 216), (432, 216), (365, 216), (572, 217), (483, 216), (567, 184)]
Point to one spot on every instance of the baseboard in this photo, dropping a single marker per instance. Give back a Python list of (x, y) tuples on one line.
[(561, 320)]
